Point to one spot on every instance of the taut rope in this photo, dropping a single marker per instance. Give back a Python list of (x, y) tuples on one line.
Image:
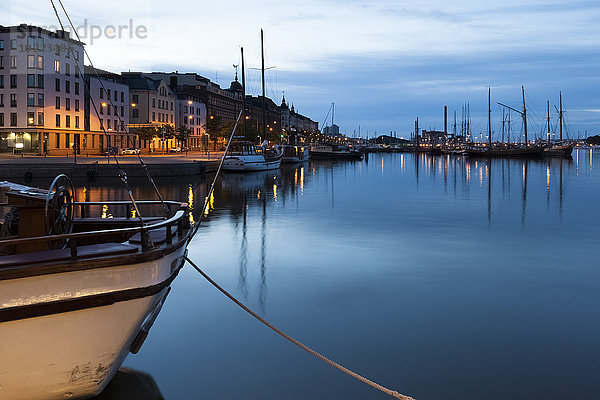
[(353, 374)]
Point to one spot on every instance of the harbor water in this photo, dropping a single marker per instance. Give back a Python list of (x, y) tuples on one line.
[(441, 277)]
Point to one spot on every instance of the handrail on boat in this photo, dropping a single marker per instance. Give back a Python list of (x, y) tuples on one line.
[(179, 218)]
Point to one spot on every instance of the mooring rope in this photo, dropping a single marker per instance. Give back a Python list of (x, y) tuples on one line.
[(369, 382)]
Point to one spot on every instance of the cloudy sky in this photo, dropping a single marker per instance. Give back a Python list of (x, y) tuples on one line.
[(383, 63)]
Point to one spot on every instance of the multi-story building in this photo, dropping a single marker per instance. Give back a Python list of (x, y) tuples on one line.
[(152, 104), (294, 123), (41, 91), (190, 113), (106, 111), (223, 103)]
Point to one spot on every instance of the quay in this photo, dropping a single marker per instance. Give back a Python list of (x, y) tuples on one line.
[(30, 167)]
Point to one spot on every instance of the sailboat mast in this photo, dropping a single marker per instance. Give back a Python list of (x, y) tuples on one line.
[(332, 113), (489, 119), (262, 56), (524, 116), (503, 121), (548, 109), (244, 93), (560, 116)]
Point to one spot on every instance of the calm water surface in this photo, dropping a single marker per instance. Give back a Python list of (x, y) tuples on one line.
[(440, 277)]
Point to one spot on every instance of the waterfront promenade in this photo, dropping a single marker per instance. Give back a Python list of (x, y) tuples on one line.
[(159, 165)]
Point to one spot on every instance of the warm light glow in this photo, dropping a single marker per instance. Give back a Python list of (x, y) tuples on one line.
[(191, 117), (133, 104), (211, 117), (189, 102), (103, 104), (275, 192), (258, 195), (191, 203)]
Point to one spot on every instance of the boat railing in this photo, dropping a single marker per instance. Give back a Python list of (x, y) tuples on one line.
[(179, 222)]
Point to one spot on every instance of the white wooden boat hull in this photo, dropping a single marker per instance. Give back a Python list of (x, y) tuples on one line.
[(249, 163), (74, 354)]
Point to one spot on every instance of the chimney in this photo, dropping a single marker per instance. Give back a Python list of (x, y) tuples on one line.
[(445, 119), (173, 82)]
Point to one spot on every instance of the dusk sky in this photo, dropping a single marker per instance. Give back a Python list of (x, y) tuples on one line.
[(383, 63)]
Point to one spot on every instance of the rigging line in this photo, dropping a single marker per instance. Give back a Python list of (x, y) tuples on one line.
[(166, 208), (353, 374), (122, 173), (212, 186)]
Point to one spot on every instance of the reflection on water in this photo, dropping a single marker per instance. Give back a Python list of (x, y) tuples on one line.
[(443, 277)]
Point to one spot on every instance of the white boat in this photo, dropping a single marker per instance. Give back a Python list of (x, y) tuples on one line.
[(334, 151), (295, 154), (246, 156), (79, 292)]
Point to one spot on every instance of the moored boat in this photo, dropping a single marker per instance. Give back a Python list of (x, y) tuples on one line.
[(246, 156), (334, 151), (78, 292), (295, 153)]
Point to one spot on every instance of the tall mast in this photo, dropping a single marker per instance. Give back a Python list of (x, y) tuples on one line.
[(244, 93), (417, 134), (262, 56), (503, 121), (560, 116), (332, 113), (508, 126), (548, 109), (524, 116), (489, 119), (454, 123)]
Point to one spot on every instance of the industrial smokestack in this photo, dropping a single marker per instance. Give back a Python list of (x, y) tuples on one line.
[(445, 119)]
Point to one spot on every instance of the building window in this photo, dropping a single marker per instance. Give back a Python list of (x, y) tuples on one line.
[(108, 110), (30, 99), (122, 111), (41, 99), (30, 42), (67, 69), (68, 121), (13, 61), (13, 44), (135, 98), (30, 80), (101, 93), (40, 79), (1, 119), (101, 109), (1, 44), (108, 124), (115, 95), (13, 81), (57, 103), (57, 140), (41, 43), (1, 62), (13, 119), (76, 54), (57, 66), (76, 104), (30, 118), (68, 104), (13, 100), (1, 81), (76, 72), (76, 87), (153, 116), (40, 62), (30, 61), (122, 97), (57, 50), (108, 94), (58, 120), (1, 99), (57, 84), (153, 103), (67, 141), (67, 86), (136, 113), (40, 118), (77, 121)]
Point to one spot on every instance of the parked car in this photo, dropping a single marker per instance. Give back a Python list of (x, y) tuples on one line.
[(130, 151), (175, 149)]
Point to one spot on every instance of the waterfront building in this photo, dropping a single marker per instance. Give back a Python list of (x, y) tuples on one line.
[(223, 103), (41, 91), (294, 123), (272, 116), (152, 105), (190, 113), (108, 128)]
